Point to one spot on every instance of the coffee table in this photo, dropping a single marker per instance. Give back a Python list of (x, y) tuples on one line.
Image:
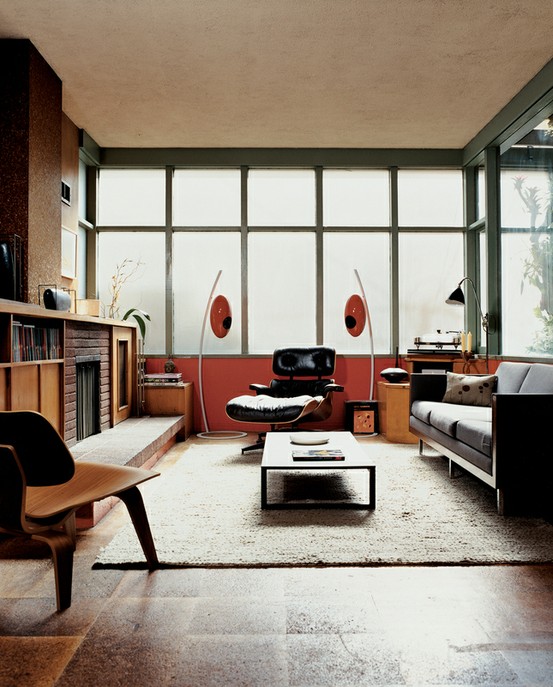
[(277, 455)]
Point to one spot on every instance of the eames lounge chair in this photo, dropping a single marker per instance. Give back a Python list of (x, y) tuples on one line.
[(42, 486), (289, 401)]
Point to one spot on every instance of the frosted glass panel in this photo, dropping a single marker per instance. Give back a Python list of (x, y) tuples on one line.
[(197, 258), (281, 288), (356, 198), (140, 259), (430, 198), (481, 193), (525, 198), (206, 197), (370, 255), (430, 267), (131, 197), (281, 198)]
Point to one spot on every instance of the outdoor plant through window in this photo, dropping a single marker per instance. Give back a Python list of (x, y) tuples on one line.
[(527, 244)]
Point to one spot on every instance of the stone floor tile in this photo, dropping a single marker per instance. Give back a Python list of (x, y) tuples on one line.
[(331, 615), (34, 661), (238, 616), (342, 660), (39, 617), (186, 661)]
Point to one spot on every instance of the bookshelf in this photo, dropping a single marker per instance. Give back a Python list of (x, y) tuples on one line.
[(39, 351), (32, 365)]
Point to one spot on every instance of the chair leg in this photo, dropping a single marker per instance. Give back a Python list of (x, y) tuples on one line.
[(70, 527), (132, 498), (259, 444), (62, 547)]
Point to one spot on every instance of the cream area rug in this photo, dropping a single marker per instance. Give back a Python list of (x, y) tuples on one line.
[(205, 511)]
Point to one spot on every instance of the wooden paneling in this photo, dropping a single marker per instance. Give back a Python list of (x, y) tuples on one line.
[(4, 388), (393, 409), (25, 390), (51, 405), (171, 400), (123, 374)]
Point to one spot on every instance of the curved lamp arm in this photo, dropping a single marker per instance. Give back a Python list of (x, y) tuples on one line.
[(200, 368), (458, 298), (370, 329)]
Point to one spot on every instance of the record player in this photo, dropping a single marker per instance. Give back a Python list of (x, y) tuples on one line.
[(437, 342)]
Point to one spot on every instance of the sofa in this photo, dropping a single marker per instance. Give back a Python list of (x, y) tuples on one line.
[(497, 427)]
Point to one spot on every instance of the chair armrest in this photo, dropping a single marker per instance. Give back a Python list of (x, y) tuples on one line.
[(333, 387), (427, 387), (261, 389)]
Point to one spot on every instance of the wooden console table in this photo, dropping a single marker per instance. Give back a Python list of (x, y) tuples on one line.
[(171, 400), (393, 410), (442, 361)]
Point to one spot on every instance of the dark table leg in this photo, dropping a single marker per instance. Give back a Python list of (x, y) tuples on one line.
[(263, 488)]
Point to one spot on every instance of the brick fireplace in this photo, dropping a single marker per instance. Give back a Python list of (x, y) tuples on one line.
[(86, 342)]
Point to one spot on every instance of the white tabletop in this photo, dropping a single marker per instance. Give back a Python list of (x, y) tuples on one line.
[(279, 447)]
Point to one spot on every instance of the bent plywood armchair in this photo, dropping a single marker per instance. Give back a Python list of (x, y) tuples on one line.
[(42, 486)]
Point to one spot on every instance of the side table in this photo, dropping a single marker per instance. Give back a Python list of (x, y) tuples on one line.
[(171, 400), (393, 404)]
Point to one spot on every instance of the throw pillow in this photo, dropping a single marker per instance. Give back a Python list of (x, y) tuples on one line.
[(469, 390)]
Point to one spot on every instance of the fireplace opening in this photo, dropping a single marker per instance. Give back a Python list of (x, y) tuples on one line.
[(88, 395)]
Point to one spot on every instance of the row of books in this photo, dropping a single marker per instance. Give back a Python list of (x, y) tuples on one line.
[(30, 342), (163, 379)]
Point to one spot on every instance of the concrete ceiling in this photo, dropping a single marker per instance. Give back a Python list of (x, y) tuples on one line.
[(286, 73)]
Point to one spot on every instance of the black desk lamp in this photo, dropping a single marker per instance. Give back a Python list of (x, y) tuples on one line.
[(458, 298)]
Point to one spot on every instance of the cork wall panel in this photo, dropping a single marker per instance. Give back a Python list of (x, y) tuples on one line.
[(44, 227)]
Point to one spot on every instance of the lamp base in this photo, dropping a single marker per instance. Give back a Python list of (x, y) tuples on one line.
[(221, 434)]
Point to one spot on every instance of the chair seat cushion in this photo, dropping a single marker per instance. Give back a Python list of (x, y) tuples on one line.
[(270, 410)]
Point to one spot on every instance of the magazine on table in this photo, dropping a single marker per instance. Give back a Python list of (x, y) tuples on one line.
[(318, 454)]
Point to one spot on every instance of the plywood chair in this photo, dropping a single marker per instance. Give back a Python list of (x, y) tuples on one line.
[(42, 486)]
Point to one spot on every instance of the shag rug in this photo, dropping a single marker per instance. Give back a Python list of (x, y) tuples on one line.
[(204, 511)]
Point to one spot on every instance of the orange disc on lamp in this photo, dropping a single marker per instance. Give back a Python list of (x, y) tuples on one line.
[(355, 315), (220, 317)]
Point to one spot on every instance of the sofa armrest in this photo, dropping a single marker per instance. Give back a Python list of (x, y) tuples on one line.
[(427, 387), (522, 437)]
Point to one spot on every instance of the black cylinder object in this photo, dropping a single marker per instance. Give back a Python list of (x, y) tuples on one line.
[(7, 275), (56, 299), (396, 374)]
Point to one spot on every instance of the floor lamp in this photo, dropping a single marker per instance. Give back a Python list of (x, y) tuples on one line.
[(458, 298), (356, 315), (220, 316)]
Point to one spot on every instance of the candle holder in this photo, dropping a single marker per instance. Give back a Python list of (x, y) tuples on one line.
[(467, 357)]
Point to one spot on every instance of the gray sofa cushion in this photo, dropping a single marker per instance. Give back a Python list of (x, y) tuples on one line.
[(445, 416), (422, 409), (476, 433), (510, 377), (539, 380)]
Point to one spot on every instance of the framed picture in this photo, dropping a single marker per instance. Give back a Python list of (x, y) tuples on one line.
[(68, 253)]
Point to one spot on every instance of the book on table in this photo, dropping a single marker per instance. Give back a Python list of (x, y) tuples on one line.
[(318, 454)]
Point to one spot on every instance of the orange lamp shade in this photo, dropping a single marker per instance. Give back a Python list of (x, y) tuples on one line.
[(220, 317), (355, 315)]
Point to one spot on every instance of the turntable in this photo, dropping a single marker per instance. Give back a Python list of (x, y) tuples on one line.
[(438, 342)]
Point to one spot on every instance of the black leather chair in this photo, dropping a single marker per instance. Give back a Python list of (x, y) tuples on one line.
[(302, 394)]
